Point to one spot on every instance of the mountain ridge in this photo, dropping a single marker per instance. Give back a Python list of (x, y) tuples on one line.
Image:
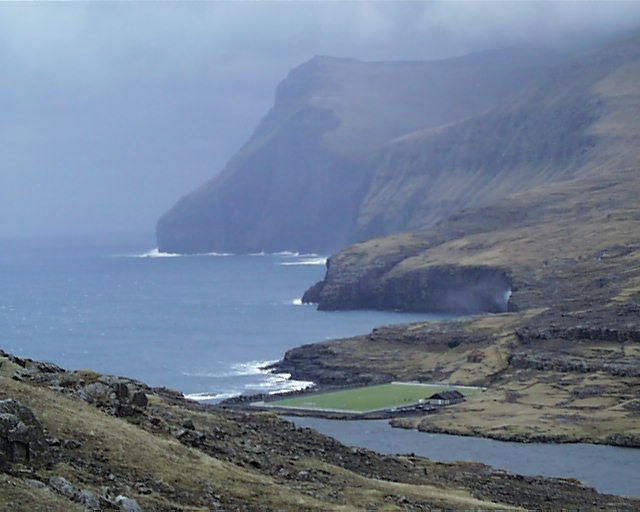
[(299, 181)]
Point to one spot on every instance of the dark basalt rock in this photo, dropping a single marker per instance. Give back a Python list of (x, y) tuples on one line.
[(22, 439), (545, 361), (442, 289)]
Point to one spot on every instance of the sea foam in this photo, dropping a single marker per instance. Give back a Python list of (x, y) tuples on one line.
[(237, 370), (305, 261), (156, 253), (280, 383), (205, 397)]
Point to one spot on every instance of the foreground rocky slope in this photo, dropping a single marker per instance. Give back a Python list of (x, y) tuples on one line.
[(84, 441)]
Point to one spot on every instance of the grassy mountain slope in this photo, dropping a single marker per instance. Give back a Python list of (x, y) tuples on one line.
[(299, 181), (579, 118), (353, 150)]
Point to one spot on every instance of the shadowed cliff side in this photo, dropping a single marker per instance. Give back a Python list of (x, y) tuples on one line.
[(353, 150), (577, 118), (299, 181)]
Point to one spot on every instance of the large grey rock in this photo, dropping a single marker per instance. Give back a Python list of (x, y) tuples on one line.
[(22, 439), (121, 390), (63, 486), (139, 399), (88, 499), (36, 484), (127, 504), (96, 392)]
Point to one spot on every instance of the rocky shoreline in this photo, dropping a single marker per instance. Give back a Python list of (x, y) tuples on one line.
[(573, 384)]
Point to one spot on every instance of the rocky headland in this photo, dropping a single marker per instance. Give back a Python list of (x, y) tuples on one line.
[(561, 364)]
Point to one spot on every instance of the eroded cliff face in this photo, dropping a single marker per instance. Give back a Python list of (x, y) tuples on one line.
[(438, 289), (300, 181), (354, 150), (565, 245)]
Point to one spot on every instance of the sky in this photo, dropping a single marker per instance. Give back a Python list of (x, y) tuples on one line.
[(109, 112)]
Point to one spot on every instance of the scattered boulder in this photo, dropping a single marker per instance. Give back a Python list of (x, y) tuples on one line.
[(36, 484), (63, 486), (190, 437), (96, 392), (22, 438), (139, 399), (188, 424), (121, 391), (88, 499), (127, 504)]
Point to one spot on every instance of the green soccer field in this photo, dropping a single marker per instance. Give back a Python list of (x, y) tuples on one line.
[(368, 398)]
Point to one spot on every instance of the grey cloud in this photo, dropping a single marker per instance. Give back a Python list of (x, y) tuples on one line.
[(111, 111)]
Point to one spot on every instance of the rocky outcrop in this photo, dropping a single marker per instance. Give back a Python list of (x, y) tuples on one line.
[(550, 361), (116, 395), (437, 289), (22, 439), (569, 245), (581, 333)]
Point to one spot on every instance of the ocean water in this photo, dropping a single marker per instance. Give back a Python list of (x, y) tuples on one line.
[(203, 325)]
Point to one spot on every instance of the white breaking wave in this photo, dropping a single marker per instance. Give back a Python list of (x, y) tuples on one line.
[(237, 370), (215, 254), (307, 258), (252, 367), (280, 383), (204, 397), (306, 261), (273, 383), (155, 253), (298, 302), (286, 254)]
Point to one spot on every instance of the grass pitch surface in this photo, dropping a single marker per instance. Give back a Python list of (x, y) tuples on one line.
[(368, 398)]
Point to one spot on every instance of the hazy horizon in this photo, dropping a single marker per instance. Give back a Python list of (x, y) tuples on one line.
[(114, 111)]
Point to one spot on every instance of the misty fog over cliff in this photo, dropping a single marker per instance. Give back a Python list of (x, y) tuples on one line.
[(113, 111)]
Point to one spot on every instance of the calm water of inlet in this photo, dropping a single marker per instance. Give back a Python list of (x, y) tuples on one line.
[(609, 469), (199, 324)]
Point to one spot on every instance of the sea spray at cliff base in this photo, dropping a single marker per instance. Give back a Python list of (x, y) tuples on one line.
[(306, 261)]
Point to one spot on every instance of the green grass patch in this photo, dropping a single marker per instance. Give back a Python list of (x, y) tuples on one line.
[(370, 398)]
